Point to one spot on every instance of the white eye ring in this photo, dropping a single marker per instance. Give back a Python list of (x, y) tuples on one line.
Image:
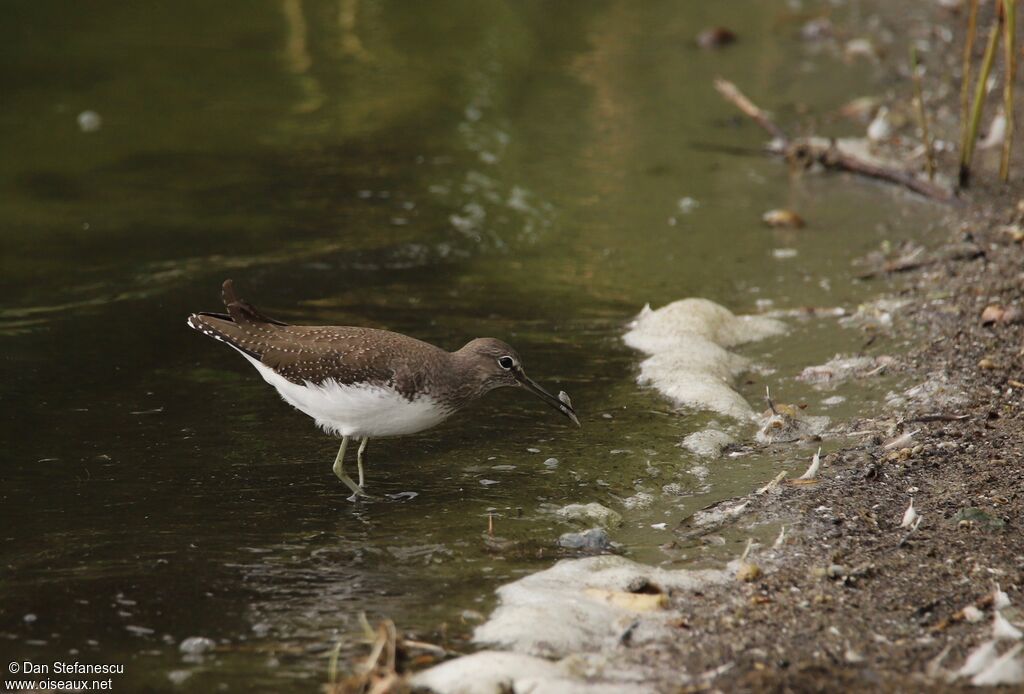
[(506, 363)]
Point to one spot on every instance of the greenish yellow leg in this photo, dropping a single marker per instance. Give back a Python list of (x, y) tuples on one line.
[(359, 458), (339, 470)]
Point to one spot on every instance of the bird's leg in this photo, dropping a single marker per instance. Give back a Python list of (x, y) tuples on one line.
[(359, 458), (339, 470)]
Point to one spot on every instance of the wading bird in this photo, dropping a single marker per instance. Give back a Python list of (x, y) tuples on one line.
[(362, 383)]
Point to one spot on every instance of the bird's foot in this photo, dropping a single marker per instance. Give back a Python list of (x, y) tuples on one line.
[(357, 490)]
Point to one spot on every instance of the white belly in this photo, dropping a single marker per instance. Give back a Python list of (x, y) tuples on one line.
[(346, 410)]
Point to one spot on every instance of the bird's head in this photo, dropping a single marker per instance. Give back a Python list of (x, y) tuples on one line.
[(495, 364)]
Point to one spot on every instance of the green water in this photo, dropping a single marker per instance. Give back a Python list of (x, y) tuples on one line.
[(446, 169)]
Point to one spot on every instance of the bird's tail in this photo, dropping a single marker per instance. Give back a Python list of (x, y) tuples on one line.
[(241, 311), (238, 327)]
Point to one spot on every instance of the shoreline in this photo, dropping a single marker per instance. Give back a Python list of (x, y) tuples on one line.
[(850, 597)]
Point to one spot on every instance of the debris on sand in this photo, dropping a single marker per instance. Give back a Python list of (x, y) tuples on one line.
[(386, 667), (874, 315), (997, 313), (901, 441), (772, 485), (784, 424), (812, 471), (936, 391), (1002, 629), (910, 517), (746, 571), (840, 368), (979, 659), (991, 669)]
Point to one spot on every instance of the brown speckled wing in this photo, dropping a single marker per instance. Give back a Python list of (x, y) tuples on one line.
[(317, 354), (348, 355)]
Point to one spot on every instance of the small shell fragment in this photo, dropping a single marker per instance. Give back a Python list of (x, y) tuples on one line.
[(909, 516), (783, 218), (748, 572), (1002, 629), (564, 398), (994, 313), (812, 471), (972, 614), (979, 659), (1006, 669), (1000, 600)]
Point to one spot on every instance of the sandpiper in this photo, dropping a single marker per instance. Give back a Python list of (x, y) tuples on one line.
[(363, 383)]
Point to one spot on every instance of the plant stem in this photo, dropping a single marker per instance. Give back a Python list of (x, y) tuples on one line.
[(1009, 70), (922, 117), (979, 100), (965, 84)]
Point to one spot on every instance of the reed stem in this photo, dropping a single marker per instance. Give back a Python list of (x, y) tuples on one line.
[(965, 84), (979, 100), (1009, 71), (922, 116)]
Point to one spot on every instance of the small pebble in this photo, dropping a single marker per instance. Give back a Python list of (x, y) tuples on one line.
[(835, 571), (593, 539), (194, 645), (748, 572), (715, 37), (89, 121), (178, 676)]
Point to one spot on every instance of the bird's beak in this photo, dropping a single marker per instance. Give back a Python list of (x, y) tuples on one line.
[(561, 404)]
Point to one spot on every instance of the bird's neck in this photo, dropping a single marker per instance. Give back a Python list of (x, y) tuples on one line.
[(463, 378)]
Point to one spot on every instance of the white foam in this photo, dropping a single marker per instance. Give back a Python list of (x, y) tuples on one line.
[(689, 362), (552, 614), (493, 672)]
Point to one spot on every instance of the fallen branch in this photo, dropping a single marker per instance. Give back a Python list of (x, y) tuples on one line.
[(805, 152), (732, 94)]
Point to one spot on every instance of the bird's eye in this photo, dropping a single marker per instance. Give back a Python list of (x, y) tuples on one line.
[(506, 362)]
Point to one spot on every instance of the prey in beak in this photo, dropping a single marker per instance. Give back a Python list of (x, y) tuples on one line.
[(561, 403)]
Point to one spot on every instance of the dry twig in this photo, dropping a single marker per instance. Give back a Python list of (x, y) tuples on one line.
[(806, 152), (384, 670)]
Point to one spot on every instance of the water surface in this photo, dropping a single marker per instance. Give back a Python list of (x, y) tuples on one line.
[(449, 170)]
